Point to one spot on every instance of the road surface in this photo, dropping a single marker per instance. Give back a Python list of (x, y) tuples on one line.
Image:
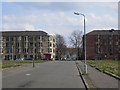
[(53, 74)]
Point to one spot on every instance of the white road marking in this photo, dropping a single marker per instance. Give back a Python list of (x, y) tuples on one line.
[(27, 74)]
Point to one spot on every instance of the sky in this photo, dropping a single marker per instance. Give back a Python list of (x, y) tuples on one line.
[(58, 17)]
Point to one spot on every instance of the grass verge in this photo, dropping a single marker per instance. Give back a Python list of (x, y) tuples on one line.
[(11, 63), (111, 66)]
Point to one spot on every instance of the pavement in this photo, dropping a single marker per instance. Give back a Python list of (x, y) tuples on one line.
[(97, 79), (53, 74)]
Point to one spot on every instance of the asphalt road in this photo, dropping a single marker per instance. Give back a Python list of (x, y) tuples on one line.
[(53, 74)]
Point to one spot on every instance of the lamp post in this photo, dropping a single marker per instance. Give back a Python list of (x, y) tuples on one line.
[(34, 56), (85, 65), (12, 52)]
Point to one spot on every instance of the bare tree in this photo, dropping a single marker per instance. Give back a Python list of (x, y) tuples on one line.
[(76, 41), (60, 46)]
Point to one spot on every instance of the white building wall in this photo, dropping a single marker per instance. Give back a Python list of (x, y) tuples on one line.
[(52, 46)]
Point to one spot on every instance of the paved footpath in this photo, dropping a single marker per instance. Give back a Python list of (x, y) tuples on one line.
[(52, 74), (99, 79)]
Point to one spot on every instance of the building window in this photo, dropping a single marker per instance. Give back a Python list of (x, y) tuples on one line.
[(41, 45), (110, 53), (35, 44), (7, 44), (30, 50), (11, 38), (25, 56), (30, 38), (110, 50), (116, 43), (42, 50), (19, 38), (31, 44), (105, 43), (116, 38), (109, 37), (53, 40), (7, 50), (53, 45), (110, 43), (24, 50), (50, 44), (50, 50), (42, 38), (35, 38), (18, 50), (10, 50), (7, 38), (17, 44), (25, 38), (1, 38), (53, 50), (27, 50)]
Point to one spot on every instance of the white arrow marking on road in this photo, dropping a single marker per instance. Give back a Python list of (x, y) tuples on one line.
[(27, 74)]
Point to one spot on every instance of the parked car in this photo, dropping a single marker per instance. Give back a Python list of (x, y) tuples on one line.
[(19, 58), (28, 58), (43, 59)]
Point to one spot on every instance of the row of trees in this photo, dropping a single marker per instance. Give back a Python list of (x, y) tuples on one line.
[(75, 40)]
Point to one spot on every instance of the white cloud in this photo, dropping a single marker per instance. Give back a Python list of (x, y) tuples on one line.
[(9, 18), (8, 26), (29, 27), (30, 18), (12, 26), (113, 6), (104, 21), (61, 21)]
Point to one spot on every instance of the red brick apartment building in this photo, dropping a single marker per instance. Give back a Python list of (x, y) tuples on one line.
[(103, 44)]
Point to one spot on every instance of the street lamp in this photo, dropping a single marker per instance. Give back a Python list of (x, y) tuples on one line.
[(85, 65), (12, 52)]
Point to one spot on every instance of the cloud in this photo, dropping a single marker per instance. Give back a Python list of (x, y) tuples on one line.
[(44, 20), (104, 21), (29, 27), (58, 22), (59, 17), (18, 27), (8, 26), (8, 18)]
